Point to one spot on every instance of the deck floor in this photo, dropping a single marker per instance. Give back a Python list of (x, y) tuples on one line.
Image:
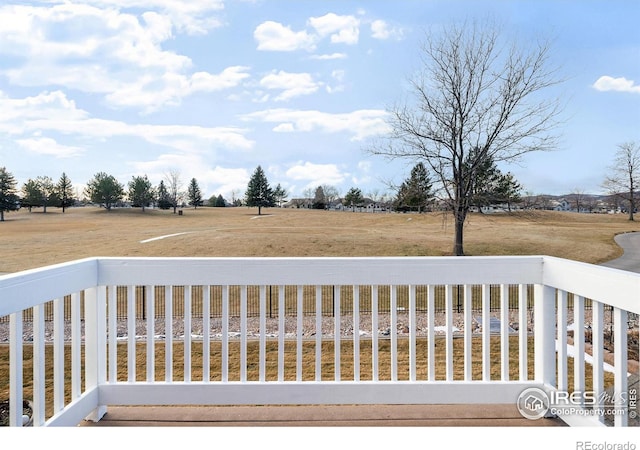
[(319, 415)]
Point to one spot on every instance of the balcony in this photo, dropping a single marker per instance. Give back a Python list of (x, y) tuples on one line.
[(100, 333)]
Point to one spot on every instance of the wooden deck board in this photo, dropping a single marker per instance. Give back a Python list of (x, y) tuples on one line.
[(320, 415)]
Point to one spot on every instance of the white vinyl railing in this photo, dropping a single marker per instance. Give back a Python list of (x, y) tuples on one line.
[(315, 331)]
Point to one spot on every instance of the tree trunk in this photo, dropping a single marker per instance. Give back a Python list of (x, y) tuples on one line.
[(458, 246), (2, 215)]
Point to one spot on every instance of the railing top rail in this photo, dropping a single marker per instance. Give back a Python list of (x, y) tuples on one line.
[(318, 271), (22, 290), (614, 287)]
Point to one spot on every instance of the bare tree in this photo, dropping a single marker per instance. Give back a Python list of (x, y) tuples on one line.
[(579, 199), (174, 189), (475, 98), (624, 173), (331, 193)]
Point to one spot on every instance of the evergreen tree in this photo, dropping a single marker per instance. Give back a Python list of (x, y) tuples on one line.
[(259, 193), (31, 195), (104, 190), (491, 186), (280, 195), (8, 196), (353, 198), (319, 200), (64, 191), (194, 193), (508, 190), (141, 192), (163, 196), (220, 202), (483, 177), (415, 192)]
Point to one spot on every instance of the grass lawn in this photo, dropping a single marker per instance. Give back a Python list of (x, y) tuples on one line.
[(35, 239)]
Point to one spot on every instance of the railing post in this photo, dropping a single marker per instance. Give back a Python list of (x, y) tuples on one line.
[(544, 334), (95, 344)]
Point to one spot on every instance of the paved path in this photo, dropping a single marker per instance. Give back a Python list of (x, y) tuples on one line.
[(630, 260)]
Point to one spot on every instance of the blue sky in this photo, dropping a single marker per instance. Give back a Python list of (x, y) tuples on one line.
[(214, 88)]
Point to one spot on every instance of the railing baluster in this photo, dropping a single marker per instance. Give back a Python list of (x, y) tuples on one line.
[(16, 362), (206, 333), (58, 355), (374, 334), (394, 333), (449, 332), (131, 334), (412, 333), (523, 331), (263, 332), (113, 334), (187, 295), (299, 335), (318, 369), (597, 342), (486, 332), (151, 316), (356, 333), (431, 341), (504, 332), (468, 333), (621, 391), (281, 331), (337, 332), (168, 332), (39, 378), (76, 338), (578, 345), (561, 345), (225, 334), (243, 333)]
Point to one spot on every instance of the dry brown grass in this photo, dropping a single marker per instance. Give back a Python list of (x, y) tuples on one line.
[(35, 239)]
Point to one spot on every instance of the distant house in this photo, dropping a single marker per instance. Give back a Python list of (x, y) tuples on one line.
[(298, 203), (560, 205)]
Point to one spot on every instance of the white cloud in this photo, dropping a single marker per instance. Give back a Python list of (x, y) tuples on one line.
[(329, 57), (54, 112), (607, 83), (338, 76), (316, 174), (273, 36), (96, 49), (291, 84), (341, 29), (381, 30), (192, 17), (361, 124), (49, 147)]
